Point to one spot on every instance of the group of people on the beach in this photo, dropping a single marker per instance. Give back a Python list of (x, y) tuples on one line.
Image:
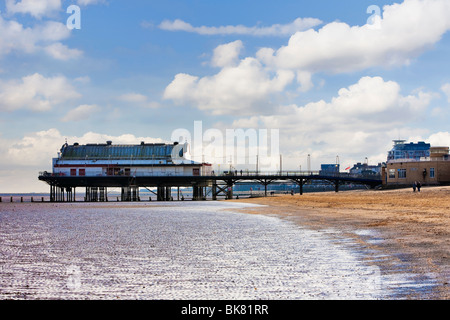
[(417, 185)]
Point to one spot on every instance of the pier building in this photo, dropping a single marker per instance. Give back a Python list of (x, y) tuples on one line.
[(101, 166)]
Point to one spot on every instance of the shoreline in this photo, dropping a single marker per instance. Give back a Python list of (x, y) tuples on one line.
[(409, 227)]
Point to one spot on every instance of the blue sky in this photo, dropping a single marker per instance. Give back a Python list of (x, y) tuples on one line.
[(332, 81)]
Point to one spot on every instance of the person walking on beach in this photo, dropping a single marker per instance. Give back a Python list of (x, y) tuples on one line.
[(418, 186), (414, 186)]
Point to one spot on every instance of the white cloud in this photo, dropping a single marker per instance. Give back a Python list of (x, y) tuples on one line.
[(247, 85), (89, 2), (405, 31), (298, 24), (36, 8), (35, 92), (446, 89), (23, 158), (242, 88), (82, 112), (133, 97), (139, 100), (227, 54), (46, 37), (358, 121), (38, 148), (62, 52), (16, 37)]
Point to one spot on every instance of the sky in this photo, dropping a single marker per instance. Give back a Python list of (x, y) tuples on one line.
[(338, 80)]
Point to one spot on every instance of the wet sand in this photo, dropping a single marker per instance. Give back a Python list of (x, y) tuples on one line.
[(410, 227), (189, 251)]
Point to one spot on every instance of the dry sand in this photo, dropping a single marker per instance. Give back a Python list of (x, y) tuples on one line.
[(414, 227)]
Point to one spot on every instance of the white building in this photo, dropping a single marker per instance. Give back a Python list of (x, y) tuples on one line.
[(143, 160)]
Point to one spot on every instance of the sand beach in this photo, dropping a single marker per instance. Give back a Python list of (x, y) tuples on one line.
[(413, 227)]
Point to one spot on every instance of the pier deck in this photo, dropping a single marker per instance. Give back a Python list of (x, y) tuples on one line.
[(221, 184)]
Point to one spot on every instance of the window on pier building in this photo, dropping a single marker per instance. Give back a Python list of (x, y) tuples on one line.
[(432, 175), (402, 173), (82, 172), (73, 172)]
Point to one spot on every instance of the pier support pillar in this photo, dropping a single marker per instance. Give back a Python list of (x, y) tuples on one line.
[(52, 196), (128, 194), (214, 192), (195, 192), (168, 194), (160, 194), (91, 194)]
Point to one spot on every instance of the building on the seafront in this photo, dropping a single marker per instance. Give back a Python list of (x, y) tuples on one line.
[(364, 169), (329, 169), (97, 167), (414, 151), (431, 169)]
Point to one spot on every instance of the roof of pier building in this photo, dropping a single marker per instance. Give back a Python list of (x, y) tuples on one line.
[(108, 151)]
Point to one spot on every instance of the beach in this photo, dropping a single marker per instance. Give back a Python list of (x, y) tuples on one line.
[(410, 227)]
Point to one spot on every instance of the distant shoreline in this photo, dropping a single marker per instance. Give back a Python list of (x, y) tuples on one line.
[(411, 224)]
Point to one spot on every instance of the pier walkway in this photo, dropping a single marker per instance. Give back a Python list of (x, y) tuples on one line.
[(62, 188)]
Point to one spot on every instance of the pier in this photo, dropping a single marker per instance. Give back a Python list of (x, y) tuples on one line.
[(63, 188), (162, 167)]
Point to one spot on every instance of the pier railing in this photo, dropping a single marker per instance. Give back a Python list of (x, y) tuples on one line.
[(237, 174)]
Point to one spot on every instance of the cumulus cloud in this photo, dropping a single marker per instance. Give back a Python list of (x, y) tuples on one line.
[(36, 8), (133, 97), (439, 139), (38, 148), (298, 24), (249, 84), (89, 2), (240, 88), (41, 8), (227, 54), (359, 119), (370, 104), (45, 37), (82, 112), (62, 52), (139, 100), (35, 92), (446, 89), (24, 157), (405, 30), (17, 37)]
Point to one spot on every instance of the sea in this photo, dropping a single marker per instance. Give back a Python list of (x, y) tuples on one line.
[(184, 250)]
